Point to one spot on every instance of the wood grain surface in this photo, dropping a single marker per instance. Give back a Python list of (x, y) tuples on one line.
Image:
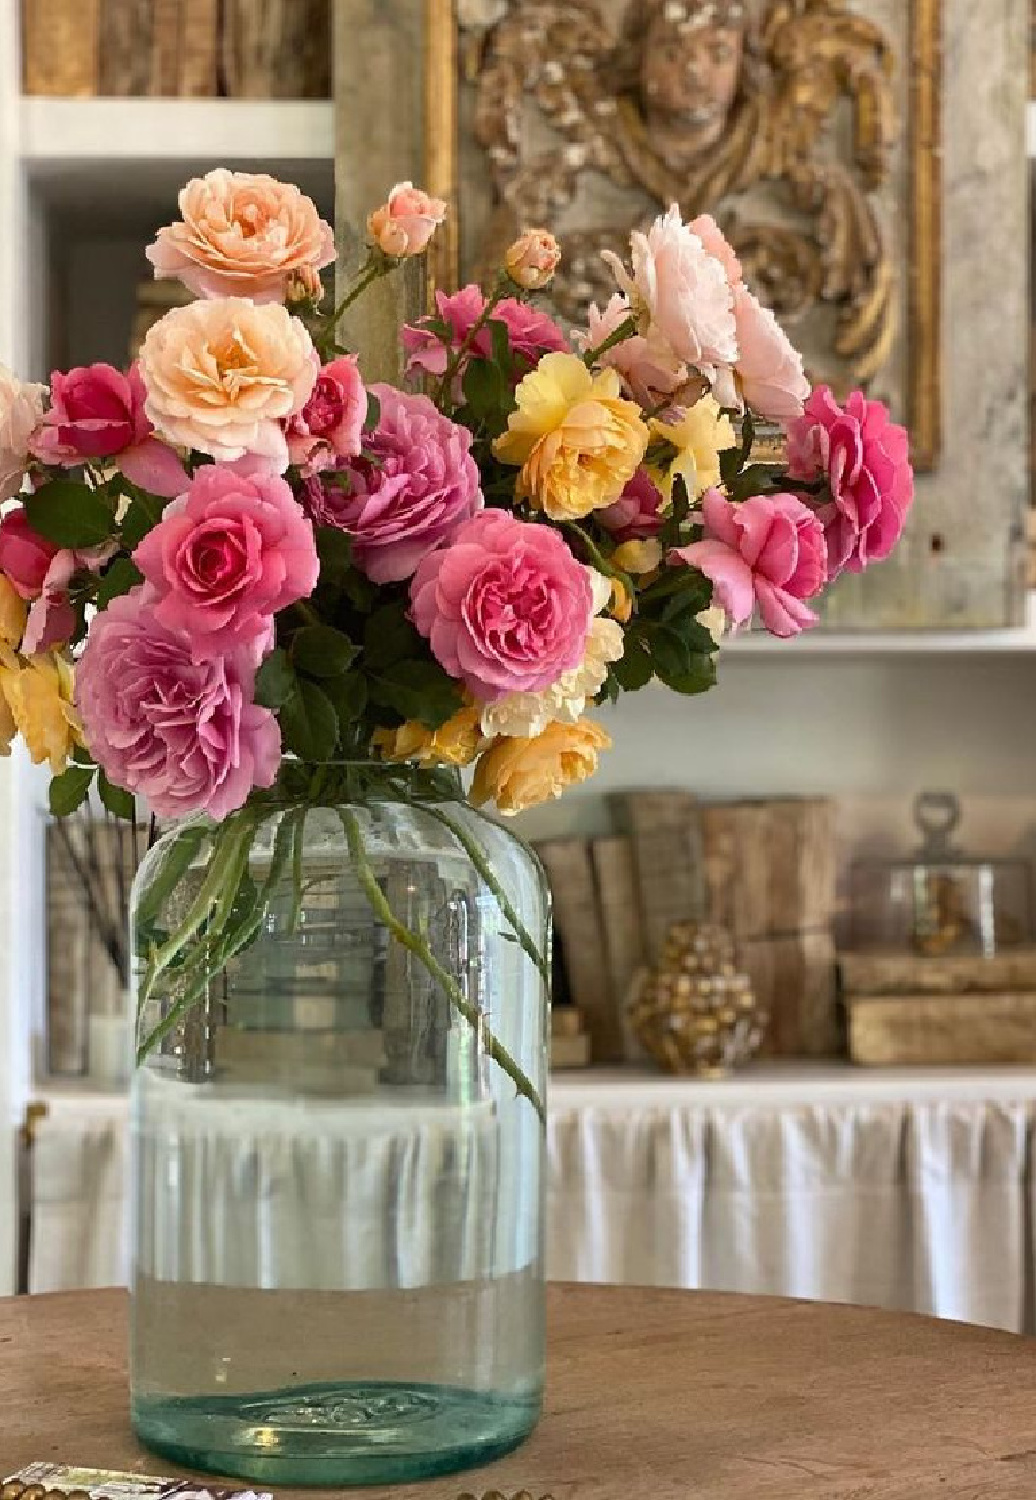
[(653, 1395)]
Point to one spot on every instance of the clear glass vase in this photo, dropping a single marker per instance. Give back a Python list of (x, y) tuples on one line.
[(338, 1138)]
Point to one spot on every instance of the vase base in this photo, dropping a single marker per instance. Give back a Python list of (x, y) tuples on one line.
[(342, 1434)]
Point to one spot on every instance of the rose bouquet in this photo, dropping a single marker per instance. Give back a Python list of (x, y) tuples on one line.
[(237, 568)]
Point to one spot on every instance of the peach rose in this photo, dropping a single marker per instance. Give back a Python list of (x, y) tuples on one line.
[(521, 773), (243, 234), (223, 377), (406, 222), (455, 743), (533, 258), (21, 409)]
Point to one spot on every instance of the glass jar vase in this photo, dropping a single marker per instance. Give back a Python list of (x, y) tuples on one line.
[(338, 1136)]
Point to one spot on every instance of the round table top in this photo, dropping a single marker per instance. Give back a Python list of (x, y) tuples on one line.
[(663, 1395)]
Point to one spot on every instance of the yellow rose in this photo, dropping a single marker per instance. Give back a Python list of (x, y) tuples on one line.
[(519, 773), (13, 614), (638, 557), (577, 440), (455, 743), (700, 436), (37, 692)]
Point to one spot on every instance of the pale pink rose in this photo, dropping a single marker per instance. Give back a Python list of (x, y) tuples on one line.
[(412, 488), (680, 291), (96, 412), (330, 425), (25, 556), (530, 335), (532, 260), (769, 367), (226, 557), (769, 550), (718, 246), (635, 515), (243, 234), (650, 370), (404, 225), (21, 409), (184, 734), (52, 620), (224, 377), (865, 458), (505, 607)]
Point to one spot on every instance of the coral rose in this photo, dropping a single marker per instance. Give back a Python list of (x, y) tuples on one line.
[(506, 607), (404, 225), (224, 376), (455, 743), (184, 734), (416, 483), (25, 556), (700, 436), (577, 440), (532, 260), (768, 550), (21, 409), (680, 291), (330, 425), (530, 334), (635, 515), (650, 370), (865, 458), (243, 234), (769, 367), (520, 773), (226, 556), (97, 412), (37, 698)]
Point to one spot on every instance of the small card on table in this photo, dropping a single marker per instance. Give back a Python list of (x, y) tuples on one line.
[(65, 1482)]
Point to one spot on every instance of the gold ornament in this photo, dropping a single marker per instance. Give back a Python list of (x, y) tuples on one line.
[(695, 1013)]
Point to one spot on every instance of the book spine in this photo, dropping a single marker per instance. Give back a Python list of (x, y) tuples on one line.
[(577, 918), (619, 907), (60, 47)]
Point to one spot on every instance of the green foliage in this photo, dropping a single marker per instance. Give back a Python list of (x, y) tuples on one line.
[(116, 799), (119, 577), (487, 395), (389, 637), (417, 690), (349, 697), (322, 651), (275, 681), (335, 551), (70, 514), (309, 724), (373, 416), (142, 514), (70, 790)]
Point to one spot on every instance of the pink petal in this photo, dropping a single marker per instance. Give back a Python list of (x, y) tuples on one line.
[(154, 467), (730, 574)]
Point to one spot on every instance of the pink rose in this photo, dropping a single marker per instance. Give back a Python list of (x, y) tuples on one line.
[(96, 412), (635, 515), (330, 425), (404, 225), (530, 335), (650, 370), (865, 458), (769, 367), (718, 246), (415, 484), (184, 734), (52, 619), (506, 607), (768, 550), (25, 556), (680, 291), (226, 556)]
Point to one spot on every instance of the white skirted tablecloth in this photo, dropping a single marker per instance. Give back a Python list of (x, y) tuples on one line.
[(907, 1189)]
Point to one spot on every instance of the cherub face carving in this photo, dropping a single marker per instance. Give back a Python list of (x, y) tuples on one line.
[(689, 74)]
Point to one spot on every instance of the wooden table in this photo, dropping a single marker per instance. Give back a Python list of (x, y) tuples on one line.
[(653, 1395)]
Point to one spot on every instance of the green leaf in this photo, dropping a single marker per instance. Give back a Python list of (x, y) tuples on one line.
[(142, 514), (121, 576), (69, 790), (670, 653), (699, 677), (757, 479), (389, 637), (418, 690), (373, 416), (634, 669), (335, 550), (487, 391), (349, 696), (82, 756), (69, 514), (322, 651), (275, 681), (309, 723), (116, 799), (501, 346)]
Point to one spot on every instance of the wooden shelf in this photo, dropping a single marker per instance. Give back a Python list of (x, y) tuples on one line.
[(812, 644)]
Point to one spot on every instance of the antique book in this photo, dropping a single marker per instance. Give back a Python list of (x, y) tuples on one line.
[(899, 972), (276, 49), (570, 1051), (664, 828), (577, 917), (184, 48), (770, 865), (621, 926), (126, 42), (942, 1030), (60, 47), (794, 980)]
